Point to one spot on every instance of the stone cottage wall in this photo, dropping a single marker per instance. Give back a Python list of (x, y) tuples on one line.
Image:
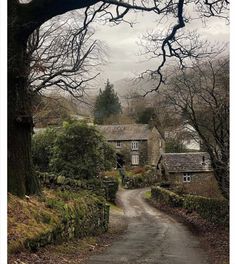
[(126, 150), (195, 177), (156, 146)]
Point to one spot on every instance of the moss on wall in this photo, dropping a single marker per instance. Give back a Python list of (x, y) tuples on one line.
[(104, 186), (54, 217)]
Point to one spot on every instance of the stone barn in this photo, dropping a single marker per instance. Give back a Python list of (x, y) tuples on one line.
[(140, 144), (185, 167)]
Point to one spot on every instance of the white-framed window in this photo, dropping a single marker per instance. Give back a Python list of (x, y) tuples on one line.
[(135, 159), (118, 144), (134, 145), (187, 177)]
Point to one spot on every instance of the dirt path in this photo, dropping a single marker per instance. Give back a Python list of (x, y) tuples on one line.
[(151, 237)]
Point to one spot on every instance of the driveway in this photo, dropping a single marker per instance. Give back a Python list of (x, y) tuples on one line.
[(151, 237)]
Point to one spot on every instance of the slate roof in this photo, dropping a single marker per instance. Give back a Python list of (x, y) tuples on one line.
[(186, 162), (125, 132)]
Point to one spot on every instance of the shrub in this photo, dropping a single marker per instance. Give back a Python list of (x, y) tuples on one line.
[(137, 170), (165, 184), (166, 197), (214, 210), (111, 188), (80, 152), (140, 177), (42, 145)]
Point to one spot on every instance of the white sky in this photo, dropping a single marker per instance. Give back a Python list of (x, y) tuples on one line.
[(123, 49)]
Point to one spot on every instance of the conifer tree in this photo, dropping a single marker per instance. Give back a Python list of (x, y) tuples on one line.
[(107, 104)]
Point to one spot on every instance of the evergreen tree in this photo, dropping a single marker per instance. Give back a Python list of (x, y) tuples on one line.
[(107, 104)]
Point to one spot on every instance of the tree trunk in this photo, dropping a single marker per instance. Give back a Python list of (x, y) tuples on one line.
[(221, 173), (21, 179)]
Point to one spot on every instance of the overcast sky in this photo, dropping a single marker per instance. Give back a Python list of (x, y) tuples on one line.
[(123, 48)]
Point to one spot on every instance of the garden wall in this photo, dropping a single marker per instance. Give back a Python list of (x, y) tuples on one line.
[(213, 210), (106, 187)]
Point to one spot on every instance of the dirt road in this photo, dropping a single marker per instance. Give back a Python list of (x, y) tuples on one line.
[(151, 237)]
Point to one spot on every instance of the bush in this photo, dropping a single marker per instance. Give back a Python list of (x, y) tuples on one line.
[(165, 184), (76, 151), (140, 177), (42, 145), (214, 210), (166, 197), (111, 188)]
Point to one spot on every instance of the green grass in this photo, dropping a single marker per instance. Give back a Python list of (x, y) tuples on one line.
[(147, 195)]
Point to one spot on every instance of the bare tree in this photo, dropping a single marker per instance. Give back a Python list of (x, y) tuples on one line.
[(202, 96), (65, 56)]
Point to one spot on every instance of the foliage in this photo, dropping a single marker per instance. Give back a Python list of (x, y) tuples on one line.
[(139, 177), (76, 151), (42, 148), (174, 146), (107, 104), (145, 116), (104, 186), (80, 152), (214, 210), (167, 197), (111, 188)]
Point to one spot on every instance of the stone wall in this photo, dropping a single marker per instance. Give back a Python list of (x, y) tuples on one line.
[(106, 187), (76, 221), (53, 217)]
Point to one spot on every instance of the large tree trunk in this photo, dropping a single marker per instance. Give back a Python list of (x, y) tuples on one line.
[(21, 179), (23, 19)]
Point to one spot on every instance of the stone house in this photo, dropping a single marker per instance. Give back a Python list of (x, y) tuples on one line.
[(185, 167), (140, 144)]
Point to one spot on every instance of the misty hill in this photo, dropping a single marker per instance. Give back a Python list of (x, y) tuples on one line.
[(125, 87)]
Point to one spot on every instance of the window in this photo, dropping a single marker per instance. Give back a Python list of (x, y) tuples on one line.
[(187, 177), (118, 144), (135, 159), (134, 145)]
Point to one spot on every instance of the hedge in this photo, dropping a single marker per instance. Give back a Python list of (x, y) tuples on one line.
[(167, 197), (214, 210)]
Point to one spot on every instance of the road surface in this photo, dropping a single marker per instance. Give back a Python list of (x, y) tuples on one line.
[(151, 237)]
